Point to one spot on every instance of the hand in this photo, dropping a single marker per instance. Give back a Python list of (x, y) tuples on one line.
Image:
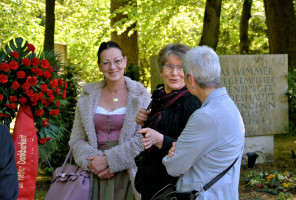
[(172, 150), (142, 116), (152, 137), (97, 164), (105, 174)]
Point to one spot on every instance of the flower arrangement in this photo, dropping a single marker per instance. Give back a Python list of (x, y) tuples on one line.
[(272, 182), (30, 78)]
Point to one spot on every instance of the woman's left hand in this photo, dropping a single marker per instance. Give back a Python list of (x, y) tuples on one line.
[(105, 174), (97, 164), (172, 150), (152, 137)]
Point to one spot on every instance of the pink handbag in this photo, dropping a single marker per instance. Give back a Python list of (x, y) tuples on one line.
[(69, 182)]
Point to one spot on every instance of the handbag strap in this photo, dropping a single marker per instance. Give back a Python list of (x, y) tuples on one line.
[(214, 180), (69, 155)]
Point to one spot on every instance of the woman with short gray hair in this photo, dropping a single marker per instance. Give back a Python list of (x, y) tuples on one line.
[(172, 105), (213, 138)]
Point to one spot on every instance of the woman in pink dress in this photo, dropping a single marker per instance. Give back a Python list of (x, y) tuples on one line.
[(105, 119)]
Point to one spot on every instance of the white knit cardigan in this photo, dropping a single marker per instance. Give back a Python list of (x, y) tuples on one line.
[(120, 157)]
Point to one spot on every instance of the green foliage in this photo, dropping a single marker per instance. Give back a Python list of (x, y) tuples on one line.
[(137, 73), (84, 24), (22, 19), (230, 25), (291, 130)]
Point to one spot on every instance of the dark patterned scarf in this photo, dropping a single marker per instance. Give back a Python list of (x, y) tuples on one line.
[(161, 101)]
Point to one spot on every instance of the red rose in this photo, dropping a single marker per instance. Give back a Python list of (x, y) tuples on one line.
[(15, 85), (58, 103), (51, 112), (39, 112), (47, 74), (22, 100), (1, 97), (44, 63), (26, 62), (43, 100), (21, 74), (12, 106), (1, 114), (49, 92), (12, 99), (33, 98), (54, 83), (64, 94), (56, 112), (50, 68), (66, 85), (35, 61), (51, 99), (3, 78), (39, 72), (5, 67), (40, 95), (45, 122), (26, 86), (42, 141), (57, 90), (31, 47), (13, 65), (31, 80), (29, 92), (61, 82), (34, 70), (43, 87), (15, 54), (46, 104)]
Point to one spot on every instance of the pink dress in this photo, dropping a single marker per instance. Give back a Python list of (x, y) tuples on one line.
[(108, 126)]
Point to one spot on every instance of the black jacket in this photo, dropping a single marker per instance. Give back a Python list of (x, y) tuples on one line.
[(172, 122), (8, 174)]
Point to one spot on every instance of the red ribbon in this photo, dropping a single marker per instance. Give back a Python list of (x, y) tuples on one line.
[(26, 152)]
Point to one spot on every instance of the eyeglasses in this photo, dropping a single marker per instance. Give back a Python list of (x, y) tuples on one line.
[(170, 68), (116, 62)]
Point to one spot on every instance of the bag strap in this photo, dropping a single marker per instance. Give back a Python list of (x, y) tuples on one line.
[(69, 155), (214, 180)]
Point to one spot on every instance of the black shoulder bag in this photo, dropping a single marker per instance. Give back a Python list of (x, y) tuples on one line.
[(169, 191)]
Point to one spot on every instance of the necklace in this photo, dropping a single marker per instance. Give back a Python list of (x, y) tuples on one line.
[(115, 100)]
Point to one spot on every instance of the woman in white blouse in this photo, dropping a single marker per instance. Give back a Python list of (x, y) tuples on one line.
[(105, 119)]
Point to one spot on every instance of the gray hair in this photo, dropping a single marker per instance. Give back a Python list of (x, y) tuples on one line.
[(178, 50), (203, 63)]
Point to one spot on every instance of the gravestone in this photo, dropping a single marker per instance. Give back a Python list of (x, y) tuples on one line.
[(62, 50), (258, 85)]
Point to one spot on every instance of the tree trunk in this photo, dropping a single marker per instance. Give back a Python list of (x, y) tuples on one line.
[(244, 26), (210, 32), (281, 29), (129, 44), (49, 25)]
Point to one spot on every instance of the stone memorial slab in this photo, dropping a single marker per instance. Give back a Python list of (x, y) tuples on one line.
[(258, 85)]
